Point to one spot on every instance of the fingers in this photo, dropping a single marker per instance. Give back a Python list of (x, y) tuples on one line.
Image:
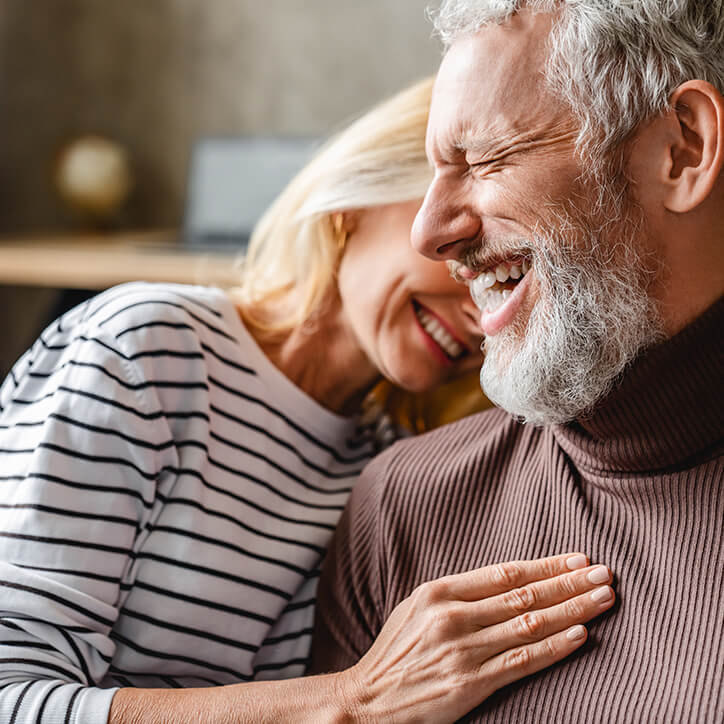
[(502, 577), (535, 626), (524, 660), (540, 594), (488, 628)]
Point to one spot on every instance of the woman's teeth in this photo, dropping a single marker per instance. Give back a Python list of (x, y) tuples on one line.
[(451, 348), (486, 289)]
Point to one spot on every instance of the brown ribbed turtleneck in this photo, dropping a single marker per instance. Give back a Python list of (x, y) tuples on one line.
[(638, 485)]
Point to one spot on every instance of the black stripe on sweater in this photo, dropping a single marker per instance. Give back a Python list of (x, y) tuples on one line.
[(113, 296), (165, 302), (71, 705), (292, 476), (182, 325), (168, 593), (123, 676), (189, 631), (183, 533), (278, 516), (19, 701), (75, 454), (165, 384), (69, 513), (258, 481), (216, 573), (64, 541), (89, 681), (279, 441), (6, 623), (63, 630), (44, 703), (300, 661), (57, 599), (40, 664), (70, 572), (298, 428), (22, 644), (122, 680), (177, 657), (113, 490), (245, 526), (105, 400), (105, 431), (272, 640), (172, 683), (299, 604)]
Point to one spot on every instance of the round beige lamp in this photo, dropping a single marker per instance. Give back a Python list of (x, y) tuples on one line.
[(93, 177)]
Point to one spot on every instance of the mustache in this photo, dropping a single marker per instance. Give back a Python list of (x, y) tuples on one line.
[(483, 254)]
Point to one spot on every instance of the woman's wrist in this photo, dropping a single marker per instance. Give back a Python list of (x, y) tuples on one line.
[(351, 698), (327, 698)]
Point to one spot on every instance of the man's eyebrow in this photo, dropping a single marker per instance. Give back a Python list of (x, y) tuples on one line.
[(454, 148), (441, 152), (478, 145), (490, 146)]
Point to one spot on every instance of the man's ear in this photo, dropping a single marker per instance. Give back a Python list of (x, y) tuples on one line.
[(696, 145)]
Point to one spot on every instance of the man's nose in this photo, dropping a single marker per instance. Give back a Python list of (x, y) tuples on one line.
[(444, 227)]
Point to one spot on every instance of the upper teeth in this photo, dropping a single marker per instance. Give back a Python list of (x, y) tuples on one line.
[(484, 296), (487, 279), (501, 273), (439, 333)]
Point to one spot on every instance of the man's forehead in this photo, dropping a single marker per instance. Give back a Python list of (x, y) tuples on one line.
[(489, 86)]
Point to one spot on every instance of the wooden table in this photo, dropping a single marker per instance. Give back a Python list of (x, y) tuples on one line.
[(100, 261), (33, 269)]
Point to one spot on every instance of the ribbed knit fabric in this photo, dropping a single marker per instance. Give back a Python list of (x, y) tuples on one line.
[(637, 486)]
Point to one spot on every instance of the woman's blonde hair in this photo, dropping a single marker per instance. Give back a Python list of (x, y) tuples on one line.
[(293, 252)]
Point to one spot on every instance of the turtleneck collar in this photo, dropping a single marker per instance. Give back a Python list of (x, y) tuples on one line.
[(666, 412)]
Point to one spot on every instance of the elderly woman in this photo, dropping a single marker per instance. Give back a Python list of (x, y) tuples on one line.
[(175, 459)]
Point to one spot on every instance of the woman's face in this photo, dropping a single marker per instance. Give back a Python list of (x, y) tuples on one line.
[(415, 324)]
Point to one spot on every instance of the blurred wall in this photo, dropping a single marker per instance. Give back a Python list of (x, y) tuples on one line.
[(155, 74)]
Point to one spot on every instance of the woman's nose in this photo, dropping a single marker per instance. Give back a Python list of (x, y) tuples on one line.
[(444, 228)]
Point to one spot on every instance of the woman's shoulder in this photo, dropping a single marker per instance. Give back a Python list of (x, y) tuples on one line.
[(138, 303), (131, 333), (141, 316), (129, 349)]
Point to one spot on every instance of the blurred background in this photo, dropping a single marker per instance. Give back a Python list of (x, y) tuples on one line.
[(153, 76)]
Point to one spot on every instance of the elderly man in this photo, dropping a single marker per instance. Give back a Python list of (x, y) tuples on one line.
[(578, 150)]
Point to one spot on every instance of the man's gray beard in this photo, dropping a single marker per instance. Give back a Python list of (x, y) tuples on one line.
[(592, 317)]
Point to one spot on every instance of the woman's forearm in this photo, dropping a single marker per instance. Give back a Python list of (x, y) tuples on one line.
[(314, 699)]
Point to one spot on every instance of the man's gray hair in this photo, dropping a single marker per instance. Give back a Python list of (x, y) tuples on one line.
[(615, 62)]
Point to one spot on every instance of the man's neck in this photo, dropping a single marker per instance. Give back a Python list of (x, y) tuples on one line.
[(667, 407), (691, 251)]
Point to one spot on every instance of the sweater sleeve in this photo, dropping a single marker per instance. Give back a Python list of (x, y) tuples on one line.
[(83, 450), (350, 597)]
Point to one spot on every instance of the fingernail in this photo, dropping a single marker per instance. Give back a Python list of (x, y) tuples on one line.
[(598, 575), (575, 633), (602, 594), (576, 562)]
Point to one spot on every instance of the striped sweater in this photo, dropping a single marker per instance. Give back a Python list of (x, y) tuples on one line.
[(637, 485), (166, 497)]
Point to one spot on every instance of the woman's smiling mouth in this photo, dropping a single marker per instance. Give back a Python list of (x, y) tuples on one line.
[(438, 332)]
